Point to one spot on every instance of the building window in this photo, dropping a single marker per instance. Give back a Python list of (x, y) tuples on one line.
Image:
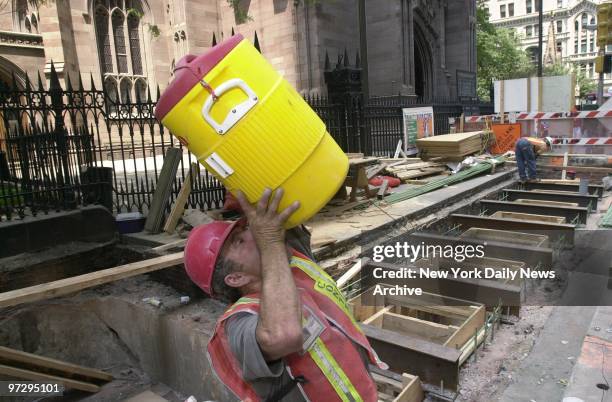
[(529, 6), (559, 3), (584, 19), (511, 10), (559, 26), (575, 46), (27, 16), (529, 31), (592, 44), (583, 45), (591, 70), (118, 28), (559, 47), (537, 5), (502, 11), (576, 25)]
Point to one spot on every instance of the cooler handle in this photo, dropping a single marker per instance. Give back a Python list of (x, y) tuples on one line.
[(237, 112)]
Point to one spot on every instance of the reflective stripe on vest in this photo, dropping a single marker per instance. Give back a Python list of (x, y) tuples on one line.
[(324, 284), (333, 372)]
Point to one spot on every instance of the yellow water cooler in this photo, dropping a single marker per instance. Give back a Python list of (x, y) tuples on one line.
[(251, 129)]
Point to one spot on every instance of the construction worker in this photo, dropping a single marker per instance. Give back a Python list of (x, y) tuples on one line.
[(526, 151), (289, 335)]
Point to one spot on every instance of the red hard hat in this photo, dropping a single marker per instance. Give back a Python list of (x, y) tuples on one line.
[(202, 249)]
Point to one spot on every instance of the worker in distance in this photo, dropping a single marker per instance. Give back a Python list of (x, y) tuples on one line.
[(288, 334), (526, 151)]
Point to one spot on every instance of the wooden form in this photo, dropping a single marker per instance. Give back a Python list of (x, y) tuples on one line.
[(507, 236), (76, 283), (528, 217), (357, 179), (451, 145), (390, 389), (571, 214), (574, 186), (555, 232), (520, 248), (543, 202), (28, 366), (423, 334), (587, 201), (490, 293)]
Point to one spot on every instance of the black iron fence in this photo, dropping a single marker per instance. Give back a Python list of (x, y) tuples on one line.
[(65, 147)]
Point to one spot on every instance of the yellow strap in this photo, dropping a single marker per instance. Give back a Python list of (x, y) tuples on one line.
[(324, 284), (242, 300), (333, 372)]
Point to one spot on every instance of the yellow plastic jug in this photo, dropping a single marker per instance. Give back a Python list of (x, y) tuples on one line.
[(250, 128)]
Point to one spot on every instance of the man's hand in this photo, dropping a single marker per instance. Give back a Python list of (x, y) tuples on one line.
[(279, 327), (265, 222)]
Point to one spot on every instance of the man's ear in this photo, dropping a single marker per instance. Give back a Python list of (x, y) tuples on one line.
[(237, 279)]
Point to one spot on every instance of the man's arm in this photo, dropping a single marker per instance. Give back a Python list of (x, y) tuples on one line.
[(279, 330)]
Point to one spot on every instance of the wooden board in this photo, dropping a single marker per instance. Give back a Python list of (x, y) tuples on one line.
[(46, 363), (528, 217), (80, 282), (163, 190), (544, 202), (40, 377), (409, 389), (452, 145), (181, 200), (506, 236)]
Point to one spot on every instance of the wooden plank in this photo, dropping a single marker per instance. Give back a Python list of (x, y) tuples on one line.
[(163, 190), (467, 330), (34, 376), (412, 392), (376, 318), (349, 274), (80, 282), (175, 244), (14, 355), (584, 201), (181, 200), (564, 171), (571, 214)]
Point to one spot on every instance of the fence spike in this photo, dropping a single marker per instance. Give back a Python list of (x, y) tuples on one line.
[(91, 82), (68, 83), (327, 63), (80, 82), (233, 31), (214, 40), (346, 60), (40, 83), (28, 87), (256, 43), (158, 92), (54, 83), (148, 94), (357, 61)]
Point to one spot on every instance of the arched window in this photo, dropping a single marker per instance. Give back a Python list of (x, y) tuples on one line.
[(27, 25), (119, 39), (118, 27), (34, 21), (140, 90), (584, 19), (576, 25)]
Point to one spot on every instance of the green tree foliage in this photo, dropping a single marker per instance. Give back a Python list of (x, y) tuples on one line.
[(500, 56)]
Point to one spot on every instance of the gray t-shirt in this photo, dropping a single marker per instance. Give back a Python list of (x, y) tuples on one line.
[(267, 377)]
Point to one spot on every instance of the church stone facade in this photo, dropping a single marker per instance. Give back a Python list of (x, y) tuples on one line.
[(415, 47)]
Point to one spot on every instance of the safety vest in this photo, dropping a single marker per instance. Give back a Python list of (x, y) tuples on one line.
[(332, 366), (539, 145)]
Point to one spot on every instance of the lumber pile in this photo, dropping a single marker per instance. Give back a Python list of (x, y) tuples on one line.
[(452, 146), (410, 170)]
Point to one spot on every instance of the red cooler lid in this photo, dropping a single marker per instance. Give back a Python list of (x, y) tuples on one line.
[(188, 72)]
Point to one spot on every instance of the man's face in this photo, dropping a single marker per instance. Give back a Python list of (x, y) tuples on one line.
[(240, 248)]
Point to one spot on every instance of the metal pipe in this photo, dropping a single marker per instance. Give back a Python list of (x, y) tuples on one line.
[(540, 34)]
